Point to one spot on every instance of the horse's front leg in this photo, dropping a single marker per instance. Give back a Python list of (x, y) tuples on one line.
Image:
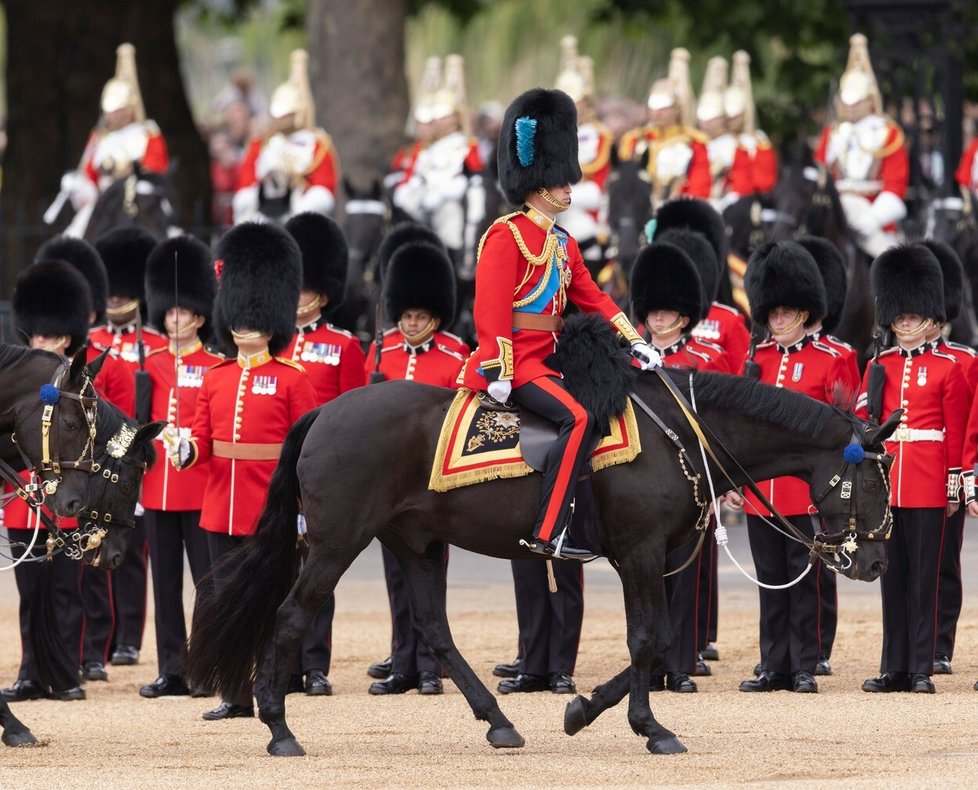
[(14, 731)]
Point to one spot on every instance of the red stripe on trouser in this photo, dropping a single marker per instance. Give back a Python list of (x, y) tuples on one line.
[(566, 469)]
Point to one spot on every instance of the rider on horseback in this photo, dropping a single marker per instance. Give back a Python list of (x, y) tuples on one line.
[(529, 267)]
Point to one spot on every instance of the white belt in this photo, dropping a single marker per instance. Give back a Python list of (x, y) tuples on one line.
[(859, 186), (904, 434)]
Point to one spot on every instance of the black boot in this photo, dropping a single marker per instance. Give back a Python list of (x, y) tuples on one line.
[(559, 548)]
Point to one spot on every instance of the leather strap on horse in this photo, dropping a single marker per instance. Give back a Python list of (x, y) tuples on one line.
[(247, 451), (542, 323)]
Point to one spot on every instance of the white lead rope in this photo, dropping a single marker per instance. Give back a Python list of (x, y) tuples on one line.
[(27, 552)]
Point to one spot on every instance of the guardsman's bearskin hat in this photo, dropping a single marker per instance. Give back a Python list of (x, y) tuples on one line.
[(420, 276), (86, 260), (403, 233), (51, 298), (701, 254), (325, 256), (124, 252), (697, 215), (665, 278), (538, 144), (907, 280), (180, 273), (260, 280), (952, 272), (833, 270), (784, 274)]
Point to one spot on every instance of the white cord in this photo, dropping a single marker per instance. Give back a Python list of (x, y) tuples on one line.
[(28, 550)]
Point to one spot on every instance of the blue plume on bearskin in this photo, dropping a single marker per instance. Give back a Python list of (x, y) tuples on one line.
[(124, 252), (403, 233), (952, 272), (697, 215), (180, 273), (420, 276), (784, 274), (325, 256), (700, 252), (526, 129), (85, 258), (907, 280), (51, 298), (664, 278), (833, 270)]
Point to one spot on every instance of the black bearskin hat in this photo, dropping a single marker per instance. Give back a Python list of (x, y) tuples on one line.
[(180, 273), (538, 144), (698, 215), (86, 260), (52, 298), (701, 254), (952, 272), (784, 274), (124, 252), (325, 256), (420, 276), (403, 233), (260, 280), (833, 270), (907, 280), (665, 278)]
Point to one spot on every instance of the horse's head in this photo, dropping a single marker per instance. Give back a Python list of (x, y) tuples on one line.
[(851, 490), (629, 209), (806, 202), (368, 214)]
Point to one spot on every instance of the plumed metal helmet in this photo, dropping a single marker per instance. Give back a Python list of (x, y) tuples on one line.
[(952, 273), (784, 274), (51, 298), (260, 280), (325, 256), (701, 254), (124, 252), (833, 270), (403, 233), (907, 280), (538, 144), (698, 215), (665, 278), (180, 273), (86, 260), (420, 276)]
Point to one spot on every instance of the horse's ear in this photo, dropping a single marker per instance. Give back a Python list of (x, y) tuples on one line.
[(644, 160), (77, 369), (875, 435), (613, 156), (348, 188), (148, 432), (95, 366), (376, 190)]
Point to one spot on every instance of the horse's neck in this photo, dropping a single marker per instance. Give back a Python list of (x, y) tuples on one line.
[(21, 379)]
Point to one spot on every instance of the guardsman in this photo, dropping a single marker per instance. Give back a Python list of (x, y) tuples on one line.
[(738, 105), (529, 268), (247, 404), (295, 168), (124, 142), (586, 219), (52, 307), (334, 362), (927, 383), (675, 153), (730, 163), (84, 258), (787, 296), (405, 160), (180, 291), (866, 154)]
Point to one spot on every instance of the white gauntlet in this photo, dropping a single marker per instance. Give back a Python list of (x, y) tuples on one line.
[(954, 485), (968, 486)]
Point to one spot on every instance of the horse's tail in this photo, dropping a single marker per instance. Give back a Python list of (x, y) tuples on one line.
[(56, 670), (234, 618)]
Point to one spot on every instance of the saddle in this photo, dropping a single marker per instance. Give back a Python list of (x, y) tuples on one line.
[(536, 435)]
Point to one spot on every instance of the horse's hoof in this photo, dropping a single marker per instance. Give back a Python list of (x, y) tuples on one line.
[(575, 715), (670, 745), (286, 747), (22, 738), (505, 738)]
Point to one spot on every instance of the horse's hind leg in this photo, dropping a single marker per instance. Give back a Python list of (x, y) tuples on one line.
[(14, 731), (425, 578)]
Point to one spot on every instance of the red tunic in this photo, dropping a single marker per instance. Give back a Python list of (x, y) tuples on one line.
[(814, 369), (967, 172), (692, 354), (698, 181), (116, 382), (889, 173), (968, 359), (929, 385), (165, 488), (429, 363), (256, 406), (322, 171), (853, 381), (331, 357), (724, 326), (155, 156)]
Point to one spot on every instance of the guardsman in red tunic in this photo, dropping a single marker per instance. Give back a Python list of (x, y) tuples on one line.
[(180, 290), (295, 168), (928, 385), (866, 154), (333, 360), (84, 258), (529, 268), (675, 153), (52, 306), (967, 173), (787, 296), (247, 404), (738, 104)]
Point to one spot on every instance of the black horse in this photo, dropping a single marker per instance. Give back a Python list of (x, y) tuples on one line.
[(256, 619), (140, 200), (629, 211)]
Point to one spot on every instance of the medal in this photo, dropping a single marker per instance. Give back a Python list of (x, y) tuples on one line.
[(190, 376), (797, 371), (921, 376), (264, 385)]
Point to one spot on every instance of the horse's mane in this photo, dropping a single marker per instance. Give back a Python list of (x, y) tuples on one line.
[(110, 419), (11, 354)]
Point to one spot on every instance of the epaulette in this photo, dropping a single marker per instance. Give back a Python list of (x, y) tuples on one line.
[(818, 344), (226, 361), (897, 143), (290, 363), (711, 345), (766, 344), (452, 335), (505, 219), (324, 149), (339, 330), (961, 347), (155, 351), (390, 331), (695, 135), (836, 342), (148, 330), (150, 126), (762, 139), (728, 308), (453, 354), (944, 355), (215, 353), (891, 350), (700, 354)]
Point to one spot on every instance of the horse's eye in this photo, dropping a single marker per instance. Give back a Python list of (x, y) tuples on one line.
[(69, 424)]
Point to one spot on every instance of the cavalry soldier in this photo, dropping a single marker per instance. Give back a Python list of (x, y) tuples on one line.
[(967, 173), (927, 384), (405, 160), (51, 306), (334, 362), (246, 405), (419, 294), (529, 268), (738, 105), (180, 291), (677, 159), (866, 154), (668, 298), (295, 168), (125, 142), (787, 296)]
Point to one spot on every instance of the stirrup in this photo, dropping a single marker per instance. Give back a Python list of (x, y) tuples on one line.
[(558, 548)]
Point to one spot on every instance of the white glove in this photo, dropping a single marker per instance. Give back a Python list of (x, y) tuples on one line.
[(177, 445), (316, 198), (79, 189), (647, 356), (887, 209), (500, 390)]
